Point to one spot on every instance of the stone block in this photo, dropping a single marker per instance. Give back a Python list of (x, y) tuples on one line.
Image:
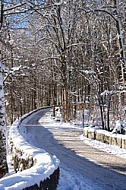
[(124, 143), (114, 140), (106, 139), (91, 134), (100, 137), (119, 142), (85, 133)]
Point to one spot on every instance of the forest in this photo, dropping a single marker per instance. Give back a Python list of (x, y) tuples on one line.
[(69, 53)]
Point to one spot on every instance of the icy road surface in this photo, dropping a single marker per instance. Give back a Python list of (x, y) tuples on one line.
[(82, 167)]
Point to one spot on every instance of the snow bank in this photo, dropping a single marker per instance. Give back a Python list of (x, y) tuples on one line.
[(43, 164)]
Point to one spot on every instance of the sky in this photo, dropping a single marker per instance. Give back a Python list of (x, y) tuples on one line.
[(73, 181)]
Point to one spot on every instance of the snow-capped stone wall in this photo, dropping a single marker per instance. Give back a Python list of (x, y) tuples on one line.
[(105, 137), (36, 169)]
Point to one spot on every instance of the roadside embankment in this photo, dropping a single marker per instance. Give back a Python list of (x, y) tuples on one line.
[(35, 168)]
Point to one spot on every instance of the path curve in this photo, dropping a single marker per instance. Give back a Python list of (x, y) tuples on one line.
[(106, 171)]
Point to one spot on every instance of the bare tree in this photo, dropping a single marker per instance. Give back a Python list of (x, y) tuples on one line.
[(3, 161)]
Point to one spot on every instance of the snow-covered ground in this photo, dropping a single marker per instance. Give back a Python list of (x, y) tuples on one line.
[(94, 143), (70, 179), (74, 181)]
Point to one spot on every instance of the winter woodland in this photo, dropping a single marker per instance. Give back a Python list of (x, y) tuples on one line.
[(64, 53)]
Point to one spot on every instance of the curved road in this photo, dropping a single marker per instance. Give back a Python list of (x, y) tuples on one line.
[(103, 170)]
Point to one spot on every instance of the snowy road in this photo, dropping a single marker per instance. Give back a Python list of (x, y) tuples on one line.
[(76, 172)]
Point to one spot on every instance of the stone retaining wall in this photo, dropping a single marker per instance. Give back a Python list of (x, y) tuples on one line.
[(50, 183), (21, 163), (38, 175), (105, 137)]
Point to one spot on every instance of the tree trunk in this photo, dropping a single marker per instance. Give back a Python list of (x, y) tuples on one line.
[(3, 160), (120, 42)]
